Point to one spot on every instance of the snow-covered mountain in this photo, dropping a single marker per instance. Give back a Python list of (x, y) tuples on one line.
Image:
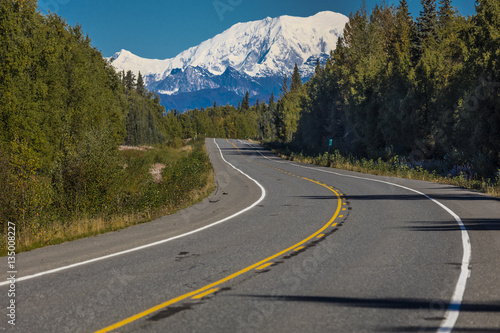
[(250, 56)]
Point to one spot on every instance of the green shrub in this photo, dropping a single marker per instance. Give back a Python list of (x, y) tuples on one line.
[(87, 176)]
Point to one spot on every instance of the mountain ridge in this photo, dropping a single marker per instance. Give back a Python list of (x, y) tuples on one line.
[(256, 53)]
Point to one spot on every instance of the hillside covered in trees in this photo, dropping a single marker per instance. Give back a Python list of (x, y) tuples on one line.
[(64, 112), (424, 91)]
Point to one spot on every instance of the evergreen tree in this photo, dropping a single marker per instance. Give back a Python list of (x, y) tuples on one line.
[(122, 77), (140, 87), (427, 24), (272, 116), (289, 107), (446, 13), (280, 112), (317, 69), (271, 100), (245, 104), (428, 21), (403, 34), (284, 86), (130, 80), (403, 7), (296, 80), (479, 119)]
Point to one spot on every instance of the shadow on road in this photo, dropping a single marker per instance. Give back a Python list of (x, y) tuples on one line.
[(434, 328), (392, 303), (384, 303), (411, 197), (476, 224)]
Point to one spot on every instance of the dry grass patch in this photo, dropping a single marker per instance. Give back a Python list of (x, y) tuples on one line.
[(139, 148), (155, 171)]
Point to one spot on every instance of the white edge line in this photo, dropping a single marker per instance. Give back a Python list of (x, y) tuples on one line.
[(56, 270), (453, 310)]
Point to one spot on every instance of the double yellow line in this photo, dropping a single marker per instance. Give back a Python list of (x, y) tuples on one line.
[(214, 287)]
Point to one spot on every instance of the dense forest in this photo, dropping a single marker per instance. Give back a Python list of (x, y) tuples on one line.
[(64, 112), (425, 91)]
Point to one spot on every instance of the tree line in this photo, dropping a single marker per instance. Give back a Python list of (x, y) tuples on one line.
[(64, 111), (424, 90)]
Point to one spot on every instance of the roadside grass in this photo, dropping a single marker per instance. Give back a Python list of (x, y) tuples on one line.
[(392, 168), (186, 177)]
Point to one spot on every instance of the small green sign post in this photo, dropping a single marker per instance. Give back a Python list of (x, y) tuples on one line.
[(330, 145)]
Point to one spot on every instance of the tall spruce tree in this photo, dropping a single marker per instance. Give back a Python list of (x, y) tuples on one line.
[(130, 80), (427, 25), (296, 80), (245, 104), (271, 100), (446, 13), (402, 37), (317, 69), (284, 86), (140, 86)]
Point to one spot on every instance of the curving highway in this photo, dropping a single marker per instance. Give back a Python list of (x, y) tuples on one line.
[(279, 247)]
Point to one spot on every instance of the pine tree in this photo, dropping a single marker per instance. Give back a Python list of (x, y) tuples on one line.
[(317, 68), (284, 86), (140, 87), (296, 80), (245, 104), (123, 75), (427, 25), (446, 13), (271, 100), (487, 32), (130, 80), (403, 34), (427, 22), (403, 6), (480, 114)]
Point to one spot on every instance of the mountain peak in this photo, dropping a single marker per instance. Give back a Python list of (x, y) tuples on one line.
[(263, 49)]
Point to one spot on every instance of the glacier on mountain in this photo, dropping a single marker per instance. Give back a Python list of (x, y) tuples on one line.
[(252, 56)]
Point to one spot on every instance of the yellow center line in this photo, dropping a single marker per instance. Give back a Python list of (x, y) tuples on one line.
[(206, 293), (238, 150), (299, 248), (209, 288), (264, 266)]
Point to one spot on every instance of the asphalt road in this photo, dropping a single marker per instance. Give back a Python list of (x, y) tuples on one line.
[(306, 249)]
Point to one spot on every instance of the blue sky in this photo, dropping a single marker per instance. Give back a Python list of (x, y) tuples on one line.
[(163, 28)]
